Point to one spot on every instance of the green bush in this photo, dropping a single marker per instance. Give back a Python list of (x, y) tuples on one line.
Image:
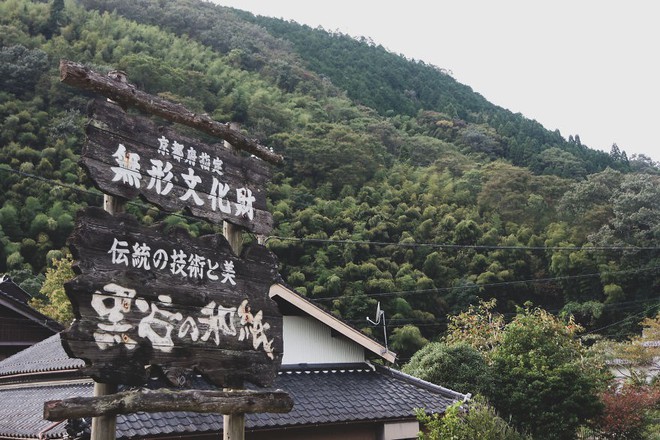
[(467, 421)]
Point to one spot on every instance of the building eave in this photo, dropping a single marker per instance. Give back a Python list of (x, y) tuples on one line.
[(337, 325)]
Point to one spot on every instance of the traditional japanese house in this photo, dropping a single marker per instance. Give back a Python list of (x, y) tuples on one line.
[(336, 375), (20, 325)]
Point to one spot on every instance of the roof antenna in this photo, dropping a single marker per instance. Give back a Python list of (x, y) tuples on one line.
[(380, 314)]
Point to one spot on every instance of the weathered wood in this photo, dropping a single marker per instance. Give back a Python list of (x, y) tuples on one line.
[(130, 156), (233, 425), (77, 75), (104, 427), (201, 401), (206, 309)]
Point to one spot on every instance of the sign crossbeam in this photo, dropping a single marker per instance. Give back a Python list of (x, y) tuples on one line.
[(77, 75), (201, 401)]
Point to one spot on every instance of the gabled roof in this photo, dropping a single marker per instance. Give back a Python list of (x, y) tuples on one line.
[(323, 394), (47, 356), (16, 299), (9, 288), (288, 295)]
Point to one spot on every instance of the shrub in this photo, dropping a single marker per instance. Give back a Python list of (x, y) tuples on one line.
[(474, 420)]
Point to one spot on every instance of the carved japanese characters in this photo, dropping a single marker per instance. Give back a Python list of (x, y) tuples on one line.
[(129, 156), (143, 298)]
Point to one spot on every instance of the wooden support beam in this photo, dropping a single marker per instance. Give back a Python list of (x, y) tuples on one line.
[(77, 75), (201, 401), (233, 425), (104, 427)]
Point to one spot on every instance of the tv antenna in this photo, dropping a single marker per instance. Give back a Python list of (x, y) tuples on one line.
[(380, 314)]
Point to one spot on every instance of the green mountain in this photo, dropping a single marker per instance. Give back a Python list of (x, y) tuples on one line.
[(400, 185)]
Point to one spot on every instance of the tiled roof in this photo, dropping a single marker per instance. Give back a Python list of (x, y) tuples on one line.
[(340, 395), (13, 296), (321, 394), (9, 288), (22, 408), (45, 356)]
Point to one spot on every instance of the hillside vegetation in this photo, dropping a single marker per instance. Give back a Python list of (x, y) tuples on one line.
[(400, 185)]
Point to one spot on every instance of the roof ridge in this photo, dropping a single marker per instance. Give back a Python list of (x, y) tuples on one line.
[(422, 383), (290, 368), (29, 312), (45, 356)]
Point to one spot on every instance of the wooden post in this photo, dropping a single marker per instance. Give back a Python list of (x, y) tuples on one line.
[(233, 425), (105, 427), (233, 233)]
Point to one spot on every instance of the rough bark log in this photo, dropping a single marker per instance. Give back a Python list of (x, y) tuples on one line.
[(77, 75), (201, 401)]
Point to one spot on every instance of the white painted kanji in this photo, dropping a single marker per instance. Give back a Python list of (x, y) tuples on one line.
[(151, 326), (218, 193), (244, 201), (119, 251), (128, 170), (192, 181), (160, 173), (161, 327), (115, 330)]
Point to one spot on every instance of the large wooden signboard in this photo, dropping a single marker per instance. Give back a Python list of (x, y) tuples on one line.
[(130, 156), (147, 298)]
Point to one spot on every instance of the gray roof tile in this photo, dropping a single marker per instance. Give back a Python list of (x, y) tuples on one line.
[(330, 397), (22, 408), (45, 356), (321, 394)]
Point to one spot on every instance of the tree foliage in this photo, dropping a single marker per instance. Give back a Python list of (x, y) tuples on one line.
[(458, 367), (52, 300), (628, 412), (479, 327), (467, 421), (431, 197), (541, 378)]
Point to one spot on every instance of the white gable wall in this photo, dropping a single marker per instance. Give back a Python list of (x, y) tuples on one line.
[(306, 340)]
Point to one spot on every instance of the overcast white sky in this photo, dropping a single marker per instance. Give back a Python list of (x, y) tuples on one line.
[(586, 67)]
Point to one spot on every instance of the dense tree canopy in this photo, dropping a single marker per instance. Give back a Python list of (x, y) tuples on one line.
[(532, 369), (400, 184), (541, 378)]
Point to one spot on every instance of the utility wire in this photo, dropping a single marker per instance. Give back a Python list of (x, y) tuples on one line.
[(89, 192), (417, 245), (465, 246), (504, 283), (627, 318), (362, 242)]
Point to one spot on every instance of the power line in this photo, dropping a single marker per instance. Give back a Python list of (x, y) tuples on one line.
[(363, 242), (408, 244), (504, 283), (627, 318), (89, 192), (465, 246)]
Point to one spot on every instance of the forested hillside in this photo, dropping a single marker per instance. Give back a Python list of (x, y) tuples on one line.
[(400, 185)]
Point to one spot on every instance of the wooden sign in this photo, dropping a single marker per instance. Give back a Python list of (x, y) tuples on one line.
[(130, 156), (144, 298)]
